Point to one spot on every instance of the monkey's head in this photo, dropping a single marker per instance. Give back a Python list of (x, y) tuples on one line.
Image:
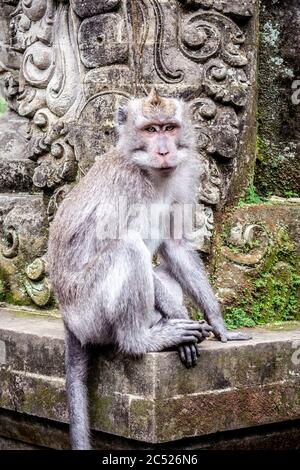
[(156, 133)]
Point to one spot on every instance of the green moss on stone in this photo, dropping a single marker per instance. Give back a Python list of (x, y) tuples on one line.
[(251, 196), (274, 295), (2, 286), (3, 106), (277, 164)]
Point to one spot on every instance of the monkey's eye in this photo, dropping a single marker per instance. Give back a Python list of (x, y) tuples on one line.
[(169, 127), (150, 129)]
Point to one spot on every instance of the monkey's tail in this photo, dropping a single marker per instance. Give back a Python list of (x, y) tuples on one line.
[(76, 365)]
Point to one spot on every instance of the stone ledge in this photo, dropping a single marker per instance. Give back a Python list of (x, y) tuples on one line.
[(154, 399)]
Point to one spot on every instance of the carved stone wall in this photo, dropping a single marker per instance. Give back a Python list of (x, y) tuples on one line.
[(64, 67)]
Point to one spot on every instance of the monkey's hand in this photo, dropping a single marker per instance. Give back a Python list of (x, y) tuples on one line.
[(189, 352), (223, 335)]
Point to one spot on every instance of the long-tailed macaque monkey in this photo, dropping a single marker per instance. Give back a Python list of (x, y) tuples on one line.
[(100, 256)]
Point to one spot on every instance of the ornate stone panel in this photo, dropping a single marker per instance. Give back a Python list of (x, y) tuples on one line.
[(256, 262), (23, 277), (66, 65)]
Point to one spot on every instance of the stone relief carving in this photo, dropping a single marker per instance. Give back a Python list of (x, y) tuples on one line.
[(247, 244), (22, 238), (66, 65), (256, 261), (37, 284)]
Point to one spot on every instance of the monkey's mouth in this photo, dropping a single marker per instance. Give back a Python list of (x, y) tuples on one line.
[(166, 170)]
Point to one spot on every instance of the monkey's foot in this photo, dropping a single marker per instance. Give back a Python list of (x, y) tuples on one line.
[(188, 354)]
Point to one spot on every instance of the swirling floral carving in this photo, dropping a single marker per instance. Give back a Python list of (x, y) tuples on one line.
[(22, 227), (38, 64), (161, 68), (247, 244), (32, 21), (204, 224), (217, 127), (57, 166), (34, 9), (209, 190), (203, 34), (226, 84), (10, 247), (201, 40), (49, 85), (64, 86), (55, 200), (36, 283)]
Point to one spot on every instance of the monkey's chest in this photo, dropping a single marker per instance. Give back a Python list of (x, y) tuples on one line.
[(158, 226)]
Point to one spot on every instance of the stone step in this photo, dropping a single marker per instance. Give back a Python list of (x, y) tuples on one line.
[(154, 399)]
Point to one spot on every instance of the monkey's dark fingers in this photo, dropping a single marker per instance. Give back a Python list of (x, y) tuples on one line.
[(188, 355), (194, 353), (192, 337), (205, 325), (206, 333), (198, 335), (188, 321), (181, 354)]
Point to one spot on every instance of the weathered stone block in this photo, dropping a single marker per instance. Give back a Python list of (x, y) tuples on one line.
[(16, 171), (87, 8), (154, 399), (102, 40)]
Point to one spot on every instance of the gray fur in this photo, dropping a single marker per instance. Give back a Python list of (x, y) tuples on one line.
[(107, 288)]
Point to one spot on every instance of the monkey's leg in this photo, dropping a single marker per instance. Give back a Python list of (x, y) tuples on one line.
[(76, 363), (166, 286), (169, 301), (187, 268), (168, 298), (134, 330)]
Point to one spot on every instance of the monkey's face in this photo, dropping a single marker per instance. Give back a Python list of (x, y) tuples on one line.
[(154, 134), (158, 145)]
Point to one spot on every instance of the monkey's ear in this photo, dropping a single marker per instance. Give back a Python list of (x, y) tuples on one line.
[(122, 114)]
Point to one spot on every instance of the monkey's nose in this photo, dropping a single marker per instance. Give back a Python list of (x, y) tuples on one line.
[(164, 159), (163, 153)]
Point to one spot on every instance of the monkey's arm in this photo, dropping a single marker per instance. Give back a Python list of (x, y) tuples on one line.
[(187, 268)]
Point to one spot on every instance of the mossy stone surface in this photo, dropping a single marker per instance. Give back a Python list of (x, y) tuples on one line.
[(278, 150)]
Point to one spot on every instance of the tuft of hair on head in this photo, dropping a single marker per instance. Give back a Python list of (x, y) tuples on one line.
[(153, 98), (155, 104)]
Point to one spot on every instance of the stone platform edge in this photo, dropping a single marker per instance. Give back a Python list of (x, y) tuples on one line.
[(155, 399)]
